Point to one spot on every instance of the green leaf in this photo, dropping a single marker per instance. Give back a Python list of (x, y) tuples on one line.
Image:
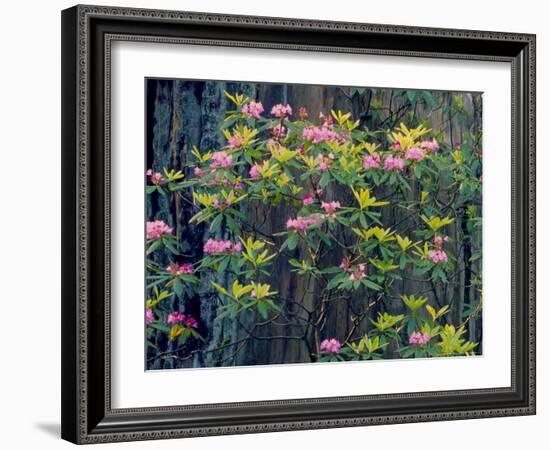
[(160, 327), (216, 223), (292, 241), (363, 221), (178, 287), (372, 285), (262, 310), (325, 178), (154, 246), (335, 282)]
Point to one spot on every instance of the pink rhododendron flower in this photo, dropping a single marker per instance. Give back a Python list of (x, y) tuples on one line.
[(414, 153), (179, 269), (221, 160), (371, 161), (279, 131), (222, 203), (322, 163), (198, 172), (430, 146), (438, 241), (149, 316), (331, 346), (307, 200), (253, 109), (321, 134), (281, 111), (330, 207), (396, 145), (327, 120), (417, 338), (176, 317), (302, 113), (215, 246), (394, 163), (191, 322), (301, 223), (235, 141), (273, 143), (438, 256), (157, 229), (345, 264), (308, 134), (357, 272), (155, 177), (254, 172)]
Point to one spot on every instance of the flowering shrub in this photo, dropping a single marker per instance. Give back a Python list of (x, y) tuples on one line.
[(363, 212)]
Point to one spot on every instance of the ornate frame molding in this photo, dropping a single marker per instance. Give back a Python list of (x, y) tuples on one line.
[(88, 32)]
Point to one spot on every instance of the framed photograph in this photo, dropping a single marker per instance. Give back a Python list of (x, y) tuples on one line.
[(282, 224)]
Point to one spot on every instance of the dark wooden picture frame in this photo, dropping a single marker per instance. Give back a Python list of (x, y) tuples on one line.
[(87, 34)]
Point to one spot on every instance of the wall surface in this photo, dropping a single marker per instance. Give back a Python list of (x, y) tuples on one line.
[(30, 229)]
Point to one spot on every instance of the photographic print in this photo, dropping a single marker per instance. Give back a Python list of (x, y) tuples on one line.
[(290, 223)]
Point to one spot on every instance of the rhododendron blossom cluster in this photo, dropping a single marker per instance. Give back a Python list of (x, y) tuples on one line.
[(438, 241), (149, 316), (308, 200), (281, 111), (417, 338), (394, 163), (279, 131), (155, 177), (214, 246), (330, 208), (371, 161), (302, 223), (179, 269), (180, 318), (331, 346), (253, 109), (438, 256), (157, 228), (321, 134), (356, 272), (414, 153), (221, 160), (235, 141), (323, 163), (254, 172), (430, 146)]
